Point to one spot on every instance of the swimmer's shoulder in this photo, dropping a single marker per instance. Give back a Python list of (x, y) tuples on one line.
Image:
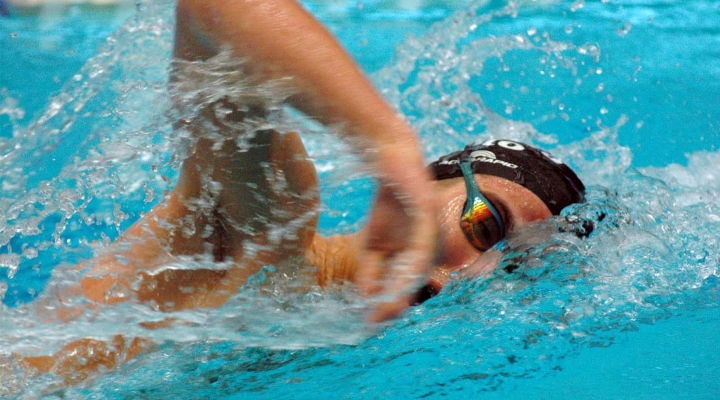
[(336, 258)]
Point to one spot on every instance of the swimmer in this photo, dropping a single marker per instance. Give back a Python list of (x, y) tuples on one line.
[(487, 190), (228, 192)]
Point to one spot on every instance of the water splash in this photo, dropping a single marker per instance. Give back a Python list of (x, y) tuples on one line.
[(651, 252)]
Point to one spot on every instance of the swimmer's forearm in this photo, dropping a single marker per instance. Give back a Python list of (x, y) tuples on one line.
[(279, 39)]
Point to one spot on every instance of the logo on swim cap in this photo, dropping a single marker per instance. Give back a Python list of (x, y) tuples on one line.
[(482, 153), (484, 156)]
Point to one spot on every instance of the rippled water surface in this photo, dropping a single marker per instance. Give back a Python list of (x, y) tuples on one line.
[(625, 92)]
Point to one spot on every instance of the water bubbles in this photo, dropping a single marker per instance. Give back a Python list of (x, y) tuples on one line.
[(636, 70), (10, 262), (30, 253), (624, 30), (531, 31)]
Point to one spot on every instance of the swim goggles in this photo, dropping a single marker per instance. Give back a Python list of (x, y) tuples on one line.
[(480, 221)]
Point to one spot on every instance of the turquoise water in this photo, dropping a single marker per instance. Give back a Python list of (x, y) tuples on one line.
[(623, 91)]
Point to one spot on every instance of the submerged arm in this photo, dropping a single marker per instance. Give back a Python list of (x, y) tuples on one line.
[(137, 266)]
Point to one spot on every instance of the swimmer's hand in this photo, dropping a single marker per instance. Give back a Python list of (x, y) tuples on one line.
[(400, 235)]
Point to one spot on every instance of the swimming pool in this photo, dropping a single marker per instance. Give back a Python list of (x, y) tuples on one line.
[(623, 91)]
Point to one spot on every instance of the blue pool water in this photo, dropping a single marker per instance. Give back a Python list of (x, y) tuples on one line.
[(623, 91)]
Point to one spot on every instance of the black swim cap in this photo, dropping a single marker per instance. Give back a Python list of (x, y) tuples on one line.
[(536, 170)]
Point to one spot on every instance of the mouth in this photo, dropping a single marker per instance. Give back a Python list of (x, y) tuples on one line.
[(433, 286), (483, 266)]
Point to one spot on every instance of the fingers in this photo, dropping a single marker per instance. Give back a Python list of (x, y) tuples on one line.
[(399, 246), (383, 238)]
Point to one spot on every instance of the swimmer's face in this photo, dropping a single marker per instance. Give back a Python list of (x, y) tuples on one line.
[(517, 206)]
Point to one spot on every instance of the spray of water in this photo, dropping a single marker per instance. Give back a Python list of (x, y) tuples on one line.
[(640, 249)]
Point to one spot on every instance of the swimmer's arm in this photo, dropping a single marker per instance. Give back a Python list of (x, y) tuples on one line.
[(279, 40), (334, 256), (132, 268), (79, 359)]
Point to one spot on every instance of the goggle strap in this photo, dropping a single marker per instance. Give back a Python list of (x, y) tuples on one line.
[(473, 192)]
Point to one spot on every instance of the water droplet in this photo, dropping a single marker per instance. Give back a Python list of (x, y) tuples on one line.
[(579, 4), (531, 31), (30, 253), (603, 111), (624, 29)]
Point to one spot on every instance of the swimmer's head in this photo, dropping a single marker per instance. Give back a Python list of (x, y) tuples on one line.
[(536, 170), (554, 184)]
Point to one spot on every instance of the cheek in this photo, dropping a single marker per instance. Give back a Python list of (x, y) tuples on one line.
[(529, 211)]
